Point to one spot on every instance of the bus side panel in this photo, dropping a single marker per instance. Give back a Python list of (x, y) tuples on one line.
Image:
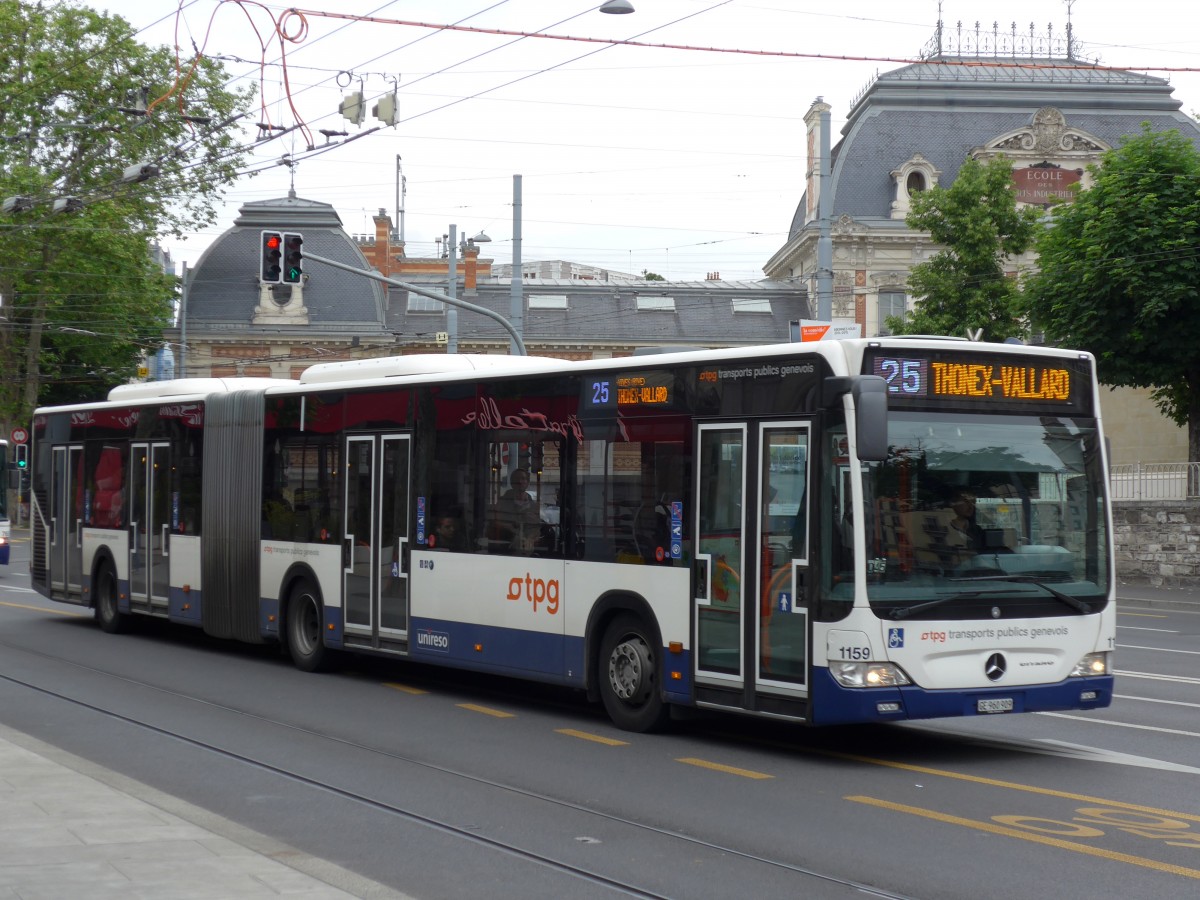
[(667, 591), (186, 597), (515, 602), (529, 616), (114, 544), (278, 558)]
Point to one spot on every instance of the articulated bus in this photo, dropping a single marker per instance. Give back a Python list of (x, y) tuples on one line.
[(829, 532)]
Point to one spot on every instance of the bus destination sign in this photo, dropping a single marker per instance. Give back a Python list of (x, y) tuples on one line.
[(627, 391), (979, 378)]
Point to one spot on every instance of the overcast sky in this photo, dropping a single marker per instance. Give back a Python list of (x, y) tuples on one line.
[(680, 162)]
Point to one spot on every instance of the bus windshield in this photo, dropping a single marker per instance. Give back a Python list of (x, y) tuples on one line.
[(973, 511)]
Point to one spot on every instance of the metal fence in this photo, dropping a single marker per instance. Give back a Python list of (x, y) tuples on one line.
[(1155, 481)]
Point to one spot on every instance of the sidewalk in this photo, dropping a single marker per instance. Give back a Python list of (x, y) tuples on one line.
[(69, 828)]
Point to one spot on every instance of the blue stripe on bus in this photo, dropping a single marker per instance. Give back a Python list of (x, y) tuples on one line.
[(4, 548), (529, 654), (535, 655), (836, 705)]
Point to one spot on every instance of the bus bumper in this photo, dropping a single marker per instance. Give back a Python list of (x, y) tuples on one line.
[(836, 705)]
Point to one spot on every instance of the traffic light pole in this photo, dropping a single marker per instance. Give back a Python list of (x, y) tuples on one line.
[(517, 343)]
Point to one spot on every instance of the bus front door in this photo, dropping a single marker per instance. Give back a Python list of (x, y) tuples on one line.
[(375, 571), (66, 524), (149, 525), (752, 622)]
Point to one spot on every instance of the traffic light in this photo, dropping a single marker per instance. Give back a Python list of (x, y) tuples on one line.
[(293, 257), (272, 244), (22, 456)]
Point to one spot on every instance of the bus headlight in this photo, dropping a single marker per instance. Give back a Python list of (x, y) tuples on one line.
[(1090, 665), (867, 674)]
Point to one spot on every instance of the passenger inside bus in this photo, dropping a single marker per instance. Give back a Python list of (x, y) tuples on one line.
[(448, 533), (516, 526)]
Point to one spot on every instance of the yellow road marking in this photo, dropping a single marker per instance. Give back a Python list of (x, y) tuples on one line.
[(1035, 838), (404, 688), (597, 738), (498, 713), (729, 770), (1011, 785), (1143, 615), (57, 612)]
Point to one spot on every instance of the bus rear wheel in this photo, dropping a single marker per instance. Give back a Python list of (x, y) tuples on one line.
[(304, 631), (107, 611), (628, 676)]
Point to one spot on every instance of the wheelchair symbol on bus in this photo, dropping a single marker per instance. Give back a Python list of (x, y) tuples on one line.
[(895, 638)]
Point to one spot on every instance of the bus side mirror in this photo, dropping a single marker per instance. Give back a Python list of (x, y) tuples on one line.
[(870, 417)]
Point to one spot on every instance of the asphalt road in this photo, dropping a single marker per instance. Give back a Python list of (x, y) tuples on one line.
[(451, 785)]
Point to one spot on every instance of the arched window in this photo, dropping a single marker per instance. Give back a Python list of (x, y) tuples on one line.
[(914, 176)]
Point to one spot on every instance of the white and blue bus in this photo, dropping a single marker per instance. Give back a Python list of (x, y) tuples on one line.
[(828, 532)]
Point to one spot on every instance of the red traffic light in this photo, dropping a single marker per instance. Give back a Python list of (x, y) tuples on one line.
[(270, 271)]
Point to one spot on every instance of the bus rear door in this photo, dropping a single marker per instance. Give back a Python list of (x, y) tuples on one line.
[(752, 623), (149, 525), (376, 535), (66, 523)]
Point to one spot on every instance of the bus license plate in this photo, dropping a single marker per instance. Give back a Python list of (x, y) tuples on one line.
[(994, 705)]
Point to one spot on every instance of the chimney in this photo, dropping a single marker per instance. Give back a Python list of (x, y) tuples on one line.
[(383, 243), (471, 261)]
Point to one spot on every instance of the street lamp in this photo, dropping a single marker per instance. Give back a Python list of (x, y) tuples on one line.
[(617, 7)]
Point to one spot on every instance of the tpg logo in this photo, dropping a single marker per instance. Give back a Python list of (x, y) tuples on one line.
[(428, 639), (536, 591)]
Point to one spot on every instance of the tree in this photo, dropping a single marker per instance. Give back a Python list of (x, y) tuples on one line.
[(81, 101), (652, 276), (964, 286), (1120, 273)]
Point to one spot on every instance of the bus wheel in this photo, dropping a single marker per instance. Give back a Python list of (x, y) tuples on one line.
[(107, 612), (629, 678), (304, 622)]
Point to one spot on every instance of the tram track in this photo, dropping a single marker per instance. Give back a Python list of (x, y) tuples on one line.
[(691, 845)]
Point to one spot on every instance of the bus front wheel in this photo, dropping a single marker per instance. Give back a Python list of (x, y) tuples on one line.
[(628, 676), (304, 620), (108, 612)]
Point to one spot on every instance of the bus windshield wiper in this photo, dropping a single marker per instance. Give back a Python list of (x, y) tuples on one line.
[(904, 612), (1074, 602)]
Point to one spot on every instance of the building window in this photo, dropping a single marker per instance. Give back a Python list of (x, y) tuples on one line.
[(655, 302), (547, 301), (911, 178), (751, 305), (891, 304), (419, 304)]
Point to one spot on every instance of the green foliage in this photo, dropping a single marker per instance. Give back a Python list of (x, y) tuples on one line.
[(652, 276), (964, 287), (82, 299), (1120, 272)]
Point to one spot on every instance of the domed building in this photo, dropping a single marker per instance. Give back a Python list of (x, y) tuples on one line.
[(233, 324), (974, 95)]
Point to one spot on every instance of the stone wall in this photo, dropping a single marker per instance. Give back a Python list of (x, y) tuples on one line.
[(1158, 543)]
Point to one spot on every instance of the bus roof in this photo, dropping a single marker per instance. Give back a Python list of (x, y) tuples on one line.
[(418, 364)]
